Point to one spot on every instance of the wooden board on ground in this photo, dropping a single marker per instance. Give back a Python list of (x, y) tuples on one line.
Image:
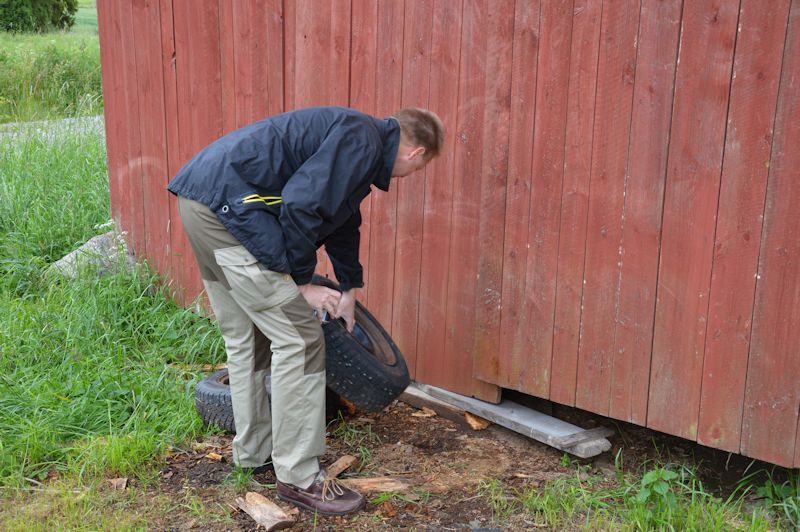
[(540, 427)]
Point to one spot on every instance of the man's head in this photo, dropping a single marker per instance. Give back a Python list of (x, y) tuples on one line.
[(421, 139)]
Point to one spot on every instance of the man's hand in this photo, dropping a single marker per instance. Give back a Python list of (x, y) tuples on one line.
[(321, 298), (347, 309)]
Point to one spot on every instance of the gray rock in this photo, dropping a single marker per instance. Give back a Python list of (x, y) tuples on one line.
[(101, 254)]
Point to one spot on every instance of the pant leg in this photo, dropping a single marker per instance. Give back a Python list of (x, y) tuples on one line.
[(248, 366), (247, 348), (273, 302)]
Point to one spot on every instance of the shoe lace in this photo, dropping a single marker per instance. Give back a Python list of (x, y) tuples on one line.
[(331, 489)]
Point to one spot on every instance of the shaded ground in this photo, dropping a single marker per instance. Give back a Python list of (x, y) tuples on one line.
[(448, 465)]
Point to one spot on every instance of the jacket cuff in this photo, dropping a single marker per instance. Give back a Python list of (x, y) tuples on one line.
[(344, 286)]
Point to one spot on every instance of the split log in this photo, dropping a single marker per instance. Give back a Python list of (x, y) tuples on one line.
[(340, 465), (376, 484), (265, 512)]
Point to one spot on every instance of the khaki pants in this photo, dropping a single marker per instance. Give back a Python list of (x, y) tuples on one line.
[(267, 325)]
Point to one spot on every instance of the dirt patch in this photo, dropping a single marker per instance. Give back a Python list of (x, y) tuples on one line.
[(448, 465), (444, 462)]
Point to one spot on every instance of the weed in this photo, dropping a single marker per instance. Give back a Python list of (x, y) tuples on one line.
[(393, 496), (239, 478), (783, 498), (364, 455), (565, 461), (656, 489), (499, 501), (354, 434)]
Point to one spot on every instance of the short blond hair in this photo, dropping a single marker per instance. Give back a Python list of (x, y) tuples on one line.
[(423, 128)]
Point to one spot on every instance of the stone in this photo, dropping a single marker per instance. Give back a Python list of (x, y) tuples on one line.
[(101, 255)]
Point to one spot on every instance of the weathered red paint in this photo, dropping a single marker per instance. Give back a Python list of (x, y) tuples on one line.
[(588, 168)]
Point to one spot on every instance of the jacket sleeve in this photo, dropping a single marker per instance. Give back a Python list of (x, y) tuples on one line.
[(342, 248), (317, 194)]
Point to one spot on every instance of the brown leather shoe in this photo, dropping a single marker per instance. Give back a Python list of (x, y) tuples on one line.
[(324, 496)]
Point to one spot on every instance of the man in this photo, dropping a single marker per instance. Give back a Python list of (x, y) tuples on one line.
[(256, 204)]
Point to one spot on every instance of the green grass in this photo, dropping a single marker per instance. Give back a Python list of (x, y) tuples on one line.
[(85, 18), (86, 381), (665, 497), (52, 75)]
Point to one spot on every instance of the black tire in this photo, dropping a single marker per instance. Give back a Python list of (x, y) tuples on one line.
[(212, 397), (364, 367)]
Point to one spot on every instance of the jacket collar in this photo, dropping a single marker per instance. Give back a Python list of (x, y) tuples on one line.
[(389, 130)]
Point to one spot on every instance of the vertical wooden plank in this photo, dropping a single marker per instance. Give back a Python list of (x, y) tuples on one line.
[(275, 45), (418, 20), (644, 195), (527, 41), (249, 47), (615, 77), (460, 317), (383, 214), (493, 176), (169, 73), (446, 45), (533, 337), (754, 94), (322, 53), (199, 96), (575, 198), (363, 68), (467, 205), (131, 204), (115, 105), (507, 365), (690, 206), (229, 28), (258, 59), (289, 45), (146, 20), (772, 399)]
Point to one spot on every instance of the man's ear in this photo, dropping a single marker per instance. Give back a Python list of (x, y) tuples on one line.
[(419, 151)]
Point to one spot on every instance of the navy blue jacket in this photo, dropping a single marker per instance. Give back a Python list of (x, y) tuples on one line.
[(286, 185)]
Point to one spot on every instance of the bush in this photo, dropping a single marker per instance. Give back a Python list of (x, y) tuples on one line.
[(16, 15), (37, 15)]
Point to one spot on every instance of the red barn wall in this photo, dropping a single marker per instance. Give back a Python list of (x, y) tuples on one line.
[(612, 224)]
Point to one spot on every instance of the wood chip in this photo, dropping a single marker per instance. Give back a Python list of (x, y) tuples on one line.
[(340, 465), (214, 456), (388, 509), (351, 408), (424, 412), (203, 446), (477, 423), (265, 512), (119, 483), (376, 484)]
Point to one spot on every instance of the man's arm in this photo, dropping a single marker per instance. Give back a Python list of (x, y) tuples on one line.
[(342, 248), (319, 190)]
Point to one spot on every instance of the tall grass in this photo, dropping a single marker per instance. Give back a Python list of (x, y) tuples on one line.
[(49, 76), (86, 380)]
